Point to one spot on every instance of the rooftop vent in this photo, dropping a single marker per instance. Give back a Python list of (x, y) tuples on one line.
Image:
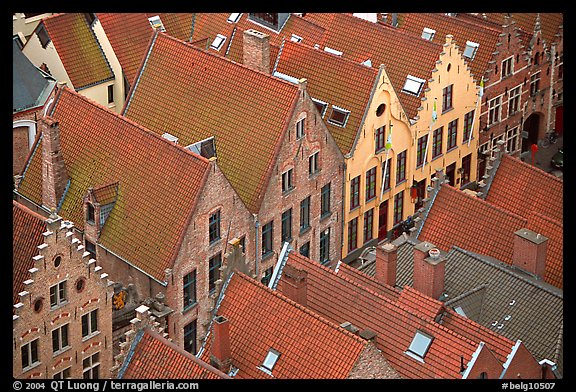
[(170, 137), (156, 23)]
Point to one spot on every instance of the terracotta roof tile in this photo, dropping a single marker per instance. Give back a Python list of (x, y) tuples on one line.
[(151, 352), (118, 150), (260, 319), (246, 111), (27, 229), (78, 49), (106, 194), (332, 79), (554, 231), (369, 282)]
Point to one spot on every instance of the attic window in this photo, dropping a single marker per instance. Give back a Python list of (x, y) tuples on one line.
[(233, 18), (471, 48), (218, 42), (43, 36), (413, 85), (90, 213), (206, 147), (428, 34), (170, 137), (296, 38), (339, 116), (156, 23), (333, 51), (90, 17), (321, 106), (460, 311), (419, 346), (270, 359)]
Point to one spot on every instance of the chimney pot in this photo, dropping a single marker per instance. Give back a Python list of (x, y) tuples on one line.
[(221, 355), (529, 251), (295, 283), (429, 270), (386, 263), (256, 48)]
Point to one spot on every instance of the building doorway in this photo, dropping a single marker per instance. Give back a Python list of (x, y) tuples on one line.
[(383, 220), (530, 131), (450, 173), (420, 194), (559, 123)]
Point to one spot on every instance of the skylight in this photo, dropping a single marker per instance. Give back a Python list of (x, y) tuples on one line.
[(321, 106), (233, 18), (156, 23), (218, 42), (338, 116), (333, 51), (428, 34), (270, 359), (413, 85), (170, 137), (471, 48), (460, 311), (419, 346), (296, 38)]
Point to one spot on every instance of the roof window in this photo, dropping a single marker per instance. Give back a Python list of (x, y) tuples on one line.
[(460, 311), (170, 137), (428, 34), (321, 106), (206, 147), (413, 85), (419, 346), (270, 359), (471, 48), (333, 51), (156, 23), (339, 116), (296, 38), (218, 42), (233, 18)]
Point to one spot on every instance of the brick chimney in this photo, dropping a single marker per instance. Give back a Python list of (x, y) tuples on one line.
[(221, 354), (256, 50), (529, 252), (386, 256), (54, 173), (429, 268), (295, 284)]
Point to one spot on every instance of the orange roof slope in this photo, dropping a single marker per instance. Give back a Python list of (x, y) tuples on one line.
[(457, 218), (194, 95), (462, 30), (78, 49), (340, 299), (369, 282), (332, 79), (401, 53), (151, 353), (27, 229), (554, 231), (310, 346), (155, 196), (522, 188)]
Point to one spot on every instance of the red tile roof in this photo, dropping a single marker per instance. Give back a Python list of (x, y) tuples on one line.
[(78, 49), (246, 111), (401, 53), (106, 194), (151, 353), (27, 229), (554, 231), (355, 275), (332, 79), (143, 227), (310, 346), (522, 188), (395, 322)]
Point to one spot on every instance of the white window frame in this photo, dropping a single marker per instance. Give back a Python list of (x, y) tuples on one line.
[(510, 71), (324, 104), (271, 359), (287, 180), (91, 330), (29, 350), (92, 365), (428, 34), (218, 42), (60, 301), (410, 84), (415, 350), (345, 112), (156, 22), (470, 50), (60, 347), (300, 125), (313, 166), (513, 133), (517, 95), (296, 38), (495, 104), (234, 17)]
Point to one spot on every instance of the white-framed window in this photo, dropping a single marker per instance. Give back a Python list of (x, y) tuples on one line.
[(300, 128), (321, 106), (494, 110), (413, 85), (218, 42), (428, 34), (338, 116), (507, 67), (512, 136), (156, 23), (90, 323), (58, 294), (295, 38), (91, 366), (233, 18), (470, 50), (514, 100), (63, 374), (287, 181), (60, 338), (29, 353), (313, 163)]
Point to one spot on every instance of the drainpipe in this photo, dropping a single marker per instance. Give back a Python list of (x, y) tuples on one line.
[(256, 227), (551, 88), (342, 207)]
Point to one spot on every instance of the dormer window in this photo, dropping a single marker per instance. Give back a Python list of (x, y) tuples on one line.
[(296, 38), (413, 85), (471, 49), (90, 213), (156, 23), (339, 116), (218, 42), (419, 346), (233, 18), (428, 34), (270, 360), (321, 106)]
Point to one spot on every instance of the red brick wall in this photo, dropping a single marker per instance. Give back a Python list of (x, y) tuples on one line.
[(485, 363), (372, 364), (20, 149), (523, 365), (428, 274)]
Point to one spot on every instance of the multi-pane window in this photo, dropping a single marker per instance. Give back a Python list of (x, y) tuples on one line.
[(190, 337), (512, 139), (398, 207), (452, 133), (514, 100), (29, 353), (111, 93), (43, 36), (267, 230), (379, 138), (534, 84), (325, 200), (386, 168), (321, 106), (353, 234), (60, 338), (468, 120), (90, 248), (287, 181), (91, 367), (287, 225), (214, 271), (338, 116), (189, 289), (355, 192), (58, 294), (371, 184), (214, 226), (63, 374), (300, 129), (447, 98), (313, 163), (494, 106), (421, 151), (267, 276), (325, 246), (90, 323), (507, 67), (437, 142), (368, 224), (401, 167), (305, 214), (305, 249), (466, 164)]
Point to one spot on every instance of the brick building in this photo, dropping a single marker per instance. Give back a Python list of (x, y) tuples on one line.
[(154, 214), (269, 140), (62, 316)]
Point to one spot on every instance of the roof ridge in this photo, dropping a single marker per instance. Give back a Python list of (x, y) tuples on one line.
[(28, 211), (547, 218), (533, 168), (301, 307), (365, 275)]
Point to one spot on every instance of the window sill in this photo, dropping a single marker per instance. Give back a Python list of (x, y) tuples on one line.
[(400, 182), (416, 357), (354, 208), (283, 240), (267, 255), (33, 366), (304, 230), (325, 216), (189, 308), (370, 199), (215, 242), (437, 157), (447, 110), (314, 175), (111, 105), (466, 141), (90, 336), (451, 149), (60, 305), (61, 351), (287, 192), (380, 150)]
